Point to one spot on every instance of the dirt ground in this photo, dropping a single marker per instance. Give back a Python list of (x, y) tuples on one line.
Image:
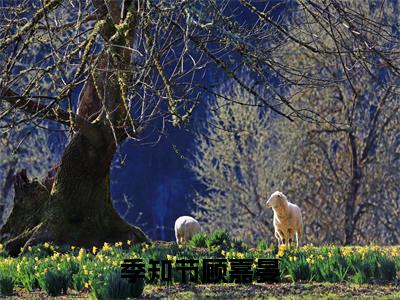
[(253, 291)]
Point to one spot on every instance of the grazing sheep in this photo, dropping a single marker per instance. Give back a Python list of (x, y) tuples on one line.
[(185, 228), (287, 219)]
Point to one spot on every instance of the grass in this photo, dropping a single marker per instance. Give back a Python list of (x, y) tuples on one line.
[(327, 271)]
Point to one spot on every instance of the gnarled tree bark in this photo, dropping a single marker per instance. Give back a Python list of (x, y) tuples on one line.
[(77, 211)]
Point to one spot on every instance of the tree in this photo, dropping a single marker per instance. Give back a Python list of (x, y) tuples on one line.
[(138, 61), (232, 163), (339, 160), (141, 65), (342, 168)]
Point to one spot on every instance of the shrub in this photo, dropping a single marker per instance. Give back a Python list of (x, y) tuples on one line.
[(26, 275), (387, 269), (262, 245), (333, 269), (199, 240), (298, 270), (219, 238), (115, 287), (78, 281), (55, 282), (70, 268), (359, 278), (6, 284)]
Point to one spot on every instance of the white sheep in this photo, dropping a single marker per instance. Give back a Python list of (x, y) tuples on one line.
[(287, 219), (185, 228)]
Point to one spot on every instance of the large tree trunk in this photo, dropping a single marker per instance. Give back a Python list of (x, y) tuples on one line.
[(78, 210)]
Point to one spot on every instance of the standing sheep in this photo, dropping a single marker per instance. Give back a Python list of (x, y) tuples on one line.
[(185, 228), (287, 219)]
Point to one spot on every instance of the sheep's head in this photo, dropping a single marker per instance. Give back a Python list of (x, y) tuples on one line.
[(276, 199)]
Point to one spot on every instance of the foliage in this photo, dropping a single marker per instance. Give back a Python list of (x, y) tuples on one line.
[(262, 245), (98, 270), (7, 277), (338, 160), (334, 264), (199, 240), (115, 287), (232, 163), (54, 282), (6, 284), (342, 170), (26, 273)]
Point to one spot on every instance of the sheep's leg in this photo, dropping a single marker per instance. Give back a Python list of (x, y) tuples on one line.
[(285, 237), (179, 238), (187, 237), (278, 238), (298, 235), (290, 236)]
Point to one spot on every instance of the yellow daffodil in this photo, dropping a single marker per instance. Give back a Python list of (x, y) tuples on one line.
[(81, 254), (310, 260), (281, 251), (106, 247)]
